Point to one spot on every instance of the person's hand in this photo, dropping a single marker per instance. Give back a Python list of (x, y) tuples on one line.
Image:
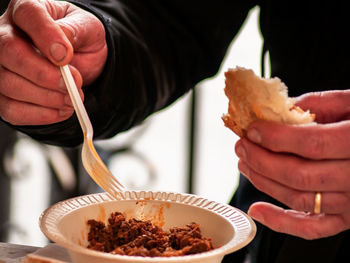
[(293, 162), (37, 36)]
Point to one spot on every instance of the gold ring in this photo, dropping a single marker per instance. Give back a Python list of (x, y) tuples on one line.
[(318, 199)]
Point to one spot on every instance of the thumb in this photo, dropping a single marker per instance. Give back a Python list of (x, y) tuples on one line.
[(33, 18), (85, 32)]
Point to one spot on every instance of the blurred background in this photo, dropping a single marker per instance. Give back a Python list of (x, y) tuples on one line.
[(184, 148)]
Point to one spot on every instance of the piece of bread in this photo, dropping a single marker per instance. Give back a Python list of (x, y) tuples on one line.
[(252, 98)]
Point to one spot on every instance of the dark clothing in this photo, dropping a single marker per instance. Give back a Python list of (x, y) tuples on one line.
[(159, 50)]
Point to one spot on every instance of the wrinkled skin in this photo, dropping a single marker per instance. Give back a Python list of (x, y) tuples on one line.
[(292, 163), (36, 36)]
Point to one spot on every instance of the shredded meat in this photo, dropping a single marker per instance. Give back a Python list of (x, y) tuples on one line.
[(142, 238)]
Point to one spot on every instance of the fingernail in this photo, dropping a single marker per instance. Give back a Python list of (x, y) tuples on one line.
[(58, 52), (240, 150), (254, 135), (254, 213), (65, 112), (68, 101)]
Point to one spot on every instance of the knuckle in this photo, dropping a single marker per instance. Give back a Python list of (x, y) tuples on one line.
[(100, 30), (6, 43), (323, 178), (300, 178), (341, 204), (43, 77), (315, 145), (47, 76), (54, 99), (10, 48), (23, 9), (301, 202), (4, 81)]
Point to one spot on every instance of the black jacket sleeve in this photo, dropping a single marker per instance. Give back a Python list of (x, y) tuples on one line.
[(158, 50)]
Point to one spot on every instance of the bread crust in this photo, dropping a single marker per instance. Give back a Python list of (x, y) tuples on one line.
[(253, 98)]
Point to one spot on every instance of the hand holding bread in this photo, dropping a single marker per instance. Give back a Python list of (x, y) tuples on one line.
[(291, 162)]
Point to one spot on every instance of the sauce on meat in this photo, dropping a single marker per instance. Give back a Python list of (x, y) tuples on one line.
[(142, 238)]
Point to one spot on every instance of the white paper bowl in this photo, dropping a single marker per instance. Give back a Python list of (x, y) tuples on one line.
[(66, 223)]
